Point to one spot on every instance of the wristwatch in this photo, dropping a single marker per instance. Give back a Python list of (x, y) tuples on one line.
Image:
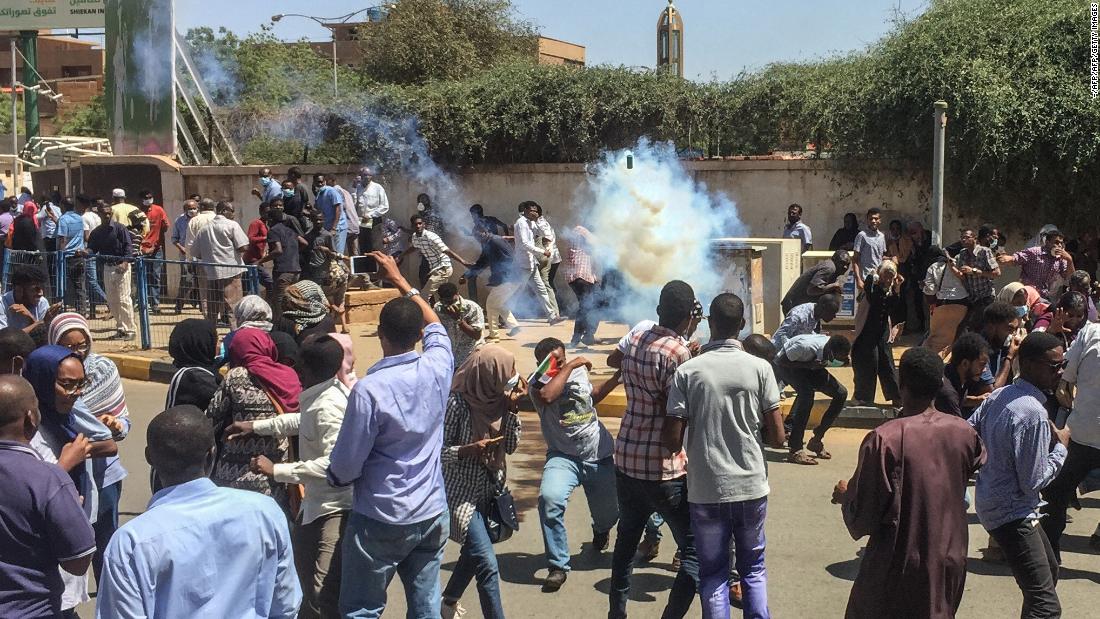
[(413, 292)]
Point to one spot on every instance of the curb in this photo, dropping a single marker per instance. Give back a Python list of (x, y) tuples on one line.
[(135, 367)]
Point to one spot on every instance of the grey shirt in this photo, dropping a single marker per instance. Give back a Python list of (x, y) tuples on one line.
[(570, 425), (722, 395), (871, 247)]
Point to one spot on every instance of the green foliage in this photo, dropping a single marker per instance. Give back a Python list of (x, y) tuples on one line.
[(88, 120), (5, 116)]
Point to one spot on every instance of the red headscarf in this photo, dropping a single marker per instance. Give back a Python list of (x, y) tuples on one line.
[(29, 210), (255, 351)]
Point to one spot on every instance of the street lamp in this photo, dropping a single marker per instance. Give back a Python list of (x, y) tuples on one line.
[(325, 21)]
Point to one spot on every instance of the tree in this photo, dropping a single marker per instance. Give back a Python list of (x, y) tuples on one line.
[(89, 120)]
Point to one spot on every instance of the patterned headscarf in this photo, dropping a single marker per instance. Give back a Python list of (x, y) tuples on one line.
[(305, 303), (104, 394), (253, 311)]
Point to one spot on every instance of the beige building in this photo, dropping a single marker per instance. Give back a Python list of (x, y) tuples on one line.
[(79, 63), (553, 51)]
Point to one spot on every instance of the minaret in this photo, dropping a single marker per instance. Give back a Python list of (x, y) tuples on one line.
[(670, 40)]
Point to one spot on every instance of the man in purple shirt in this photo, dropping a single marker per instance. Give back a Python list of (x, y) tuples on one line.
[(1040, 266), (389, 448), (44, 525)]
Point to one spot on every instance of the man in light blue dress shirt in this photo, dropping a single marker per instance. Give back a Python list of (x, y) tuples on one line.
[(199, 550), (389, 447)]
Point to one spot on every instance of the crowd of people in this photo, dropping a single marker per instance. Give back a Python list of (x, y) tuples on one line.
[(286, 485)]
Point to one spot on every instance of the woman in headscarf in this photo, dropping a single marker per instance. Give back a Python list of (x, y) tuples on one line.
[(57, 376), (346, 375), (872, 353), (845, 237), (24, 229), (480, 427), (306, 310), (193, 345), (256, 387), (252, 312), (104, 398)]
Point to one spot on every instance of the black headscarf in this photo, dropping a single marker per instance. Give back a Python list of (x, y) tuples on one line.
[(193, 343)]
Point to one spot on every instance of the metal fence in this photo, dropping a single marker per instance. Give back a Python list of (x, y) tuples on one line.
[(150, 295)]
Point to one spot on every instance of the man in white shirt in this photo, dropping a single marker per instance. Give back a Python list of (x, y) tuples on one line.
[(319, 528), (548, 266), (222, 244), (91, 220), (527, 254), (372, 204)]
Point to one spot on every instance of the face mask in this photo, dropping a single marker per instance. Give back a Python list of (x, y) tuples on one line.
[(1021, 311), (147, 202), (420, 206), (512, 383), (265, 180), (993, 243), (288, 193), (834, 363)]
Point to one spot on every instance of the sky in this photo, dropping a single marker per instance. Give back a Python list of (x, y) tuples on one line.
[(721, 37)]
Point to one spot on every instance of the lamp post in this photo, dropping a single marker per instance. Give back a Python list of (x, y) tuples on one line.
[(325, 22), (939, 127)]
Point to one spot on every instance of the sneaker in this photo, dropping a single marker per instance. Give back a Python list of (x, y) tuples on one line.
[(557, 319), (600, 541), (449, 610), (514, 331), (647, 551), (575, 341), (554, 580), (589, 341)]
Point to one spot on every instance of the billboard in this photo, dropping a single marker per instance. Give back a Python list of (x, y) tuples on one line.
[(140, 92), (48, 14)]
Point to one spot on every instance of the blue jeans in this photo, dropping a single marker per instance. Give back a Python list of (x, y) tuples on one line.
[(96, 294), (560, 476), (374, 550), (714, 525), (653, 527), (638, 499), (340, 240), (153, 274), (477, 559)]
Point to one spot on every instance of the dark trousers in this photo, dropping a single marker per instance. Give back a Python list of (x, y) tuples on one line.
[(806, 383), (1058, 494), (637, 500), (584, 327), (275, 295), (106, 524), (317, 550), (153, 277), (76, 295), (188, 290), (49, 245), (873, 356), (1029, 554)]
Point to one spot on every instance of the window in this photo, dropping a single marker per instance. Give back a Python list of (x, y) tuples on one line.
[(79, 71)]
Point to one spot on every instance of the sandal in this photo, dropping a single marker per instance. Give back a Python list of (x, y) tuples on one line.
[(797, 457), (818, 448)]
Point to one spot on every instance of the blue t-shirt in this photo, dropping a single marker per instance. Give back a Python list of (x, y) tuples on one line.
[(9, 318), (71, 228), (327, 199)]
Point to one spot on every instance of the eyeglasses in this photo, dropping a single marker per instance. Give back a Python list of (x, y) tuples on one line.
[(79, 348), (1059, 365), (72, 387)]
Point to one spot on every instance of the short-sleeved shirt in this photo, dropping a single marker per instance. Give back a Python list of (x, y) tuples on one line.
[(433, 249), (649, 362), (799, 230), (49, 226), (461, 344), (1083, 370), (1039, 268), (287, 262), (91, 221), (9, 318), (570, 425), (112, 240), (158, 224), (71, 228), (257, 241), (799, 321), (179, 229), (723, 394), (815, 278), (43, 525), (217, 243), (978, 287), (120, 214), (330, 202), (802, 348), (871, 249)]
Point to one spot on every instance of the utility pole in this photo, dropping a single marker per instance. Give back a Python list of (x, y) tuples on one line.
[(16, 176), (939, 128), (30, 77)]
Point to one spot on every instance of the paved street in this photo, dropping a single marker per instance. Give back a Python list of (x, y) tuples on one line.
[(811, 559)]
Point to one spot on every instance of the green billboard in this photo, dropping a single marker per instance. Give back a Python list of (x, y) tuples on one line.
[(140, 76)]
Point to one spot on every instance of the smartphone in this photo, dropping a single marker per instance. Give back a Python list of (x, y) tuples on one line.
[(363, 265)]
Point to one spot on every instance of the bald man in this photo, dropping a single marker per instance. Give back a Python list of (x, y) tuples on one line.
[(44, 525)]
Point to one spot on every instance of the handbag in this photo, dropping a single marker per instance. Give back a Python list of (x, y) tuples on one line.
[(500, 515)]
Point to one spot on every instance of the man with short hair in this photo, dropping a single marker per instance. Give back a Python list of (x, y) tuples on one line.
[(152, 246), (527, 253), (199, 550), (371, 204), (1041, 266), (463, 320), (389, 447), (222, 243), (979, 268), (45, 528), (319, 526), (869, 248), (648, 478), (795, 228), (905, 496), (187, 288), (90, 217), (330, 201), (962, 391), (15, 345), (1000, 328), (114, 246), (821, 279), (257, 247), (70, 242), (1025, 452), (25, 305), (269, 188), (283, 250), (807, 318), (802, 363), (496, 255), (728, 483), (435, 251)]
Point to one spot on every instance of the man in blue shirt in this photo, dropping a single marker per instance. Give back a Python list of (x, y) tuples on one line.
[(330, 201), (198, 550), (496, 254), (1025, 452), (70, 241), (25, 306), (389, 448)]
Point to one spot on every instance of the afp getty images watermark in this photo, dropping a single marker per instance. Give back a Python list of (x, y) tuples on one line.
[(1094, 49)]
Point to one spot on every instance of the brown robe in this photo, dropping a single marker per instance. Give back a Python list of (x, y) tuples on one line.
[(907, 495)]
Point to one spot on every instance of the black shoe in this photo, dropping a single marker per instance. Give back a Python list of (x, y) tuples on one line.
[(554, 580), (600, 541)]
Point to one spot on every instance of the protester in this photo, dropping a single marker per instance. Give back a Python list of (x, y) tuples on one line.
[(872, 353), (489, 223), (23, 235), (579, 452), (238, 541), (187, 290), (496, 254), (306, 310), (905, 497), (962, 391), (1041, 266), (351, 216), (1065, 318), (795, 228), (70, 242), (329, 202), (869, 249), (845, 237), (319, 525), (15, 346), (916, 314), (728, 484), (802, 362), (463, 320), (283, 244), (581, 276), (372, 205), (821, 279), (1082, 282), (807, 318), (25, 306), (152, 246), (193, 345), (947, 300), (256, 387), (46, 535), (480, 429), (47, 217), (257, 247), (221, 244), (390, 449), (548, 266), (121, 211), (979, 268), (435, 252), (112, 243), (1025, 453), (648, 479), (1001, 333), (527, 254)]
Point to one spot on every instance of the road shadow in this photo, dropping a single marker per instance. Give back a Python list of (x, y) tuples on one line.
[(845, 570), (644, 586)]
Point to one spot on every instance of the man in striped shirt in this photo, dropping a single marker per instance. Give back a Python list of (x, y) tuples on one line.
[(435, 251)]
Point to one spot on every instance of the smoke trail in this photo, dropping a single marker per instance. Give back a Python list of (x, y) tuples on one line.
[(653, 224)]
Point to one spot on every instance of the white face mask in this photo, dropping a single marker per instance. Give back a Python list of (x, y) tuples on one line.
[(420, 206), (147, 202)]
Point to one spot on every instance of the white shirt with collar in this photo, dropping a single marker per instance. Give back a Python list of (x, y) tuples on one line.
[(527, 251), (371, 200)]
